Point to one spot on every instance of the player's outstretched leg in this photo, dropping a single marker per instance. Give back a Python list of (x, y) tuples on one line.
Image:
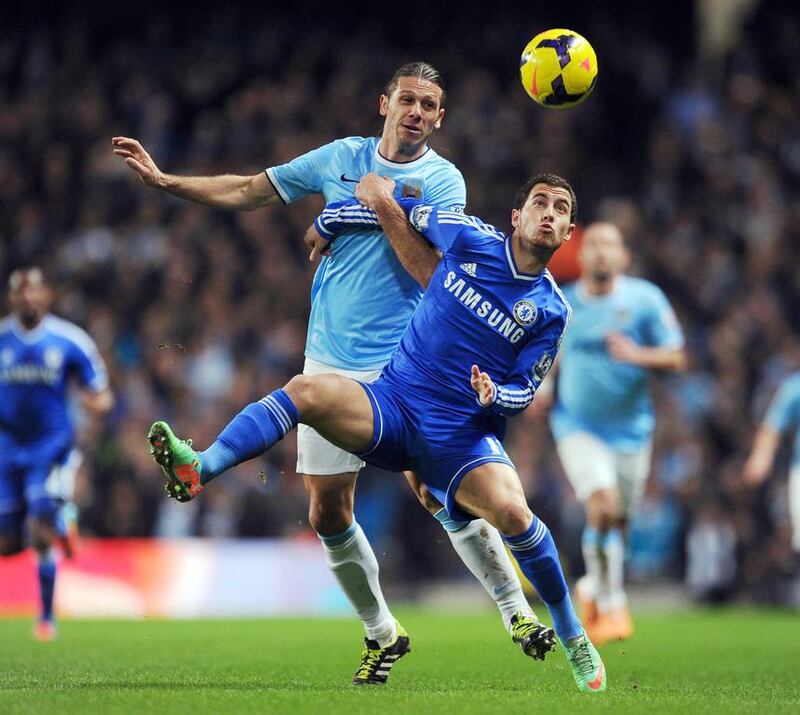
[(251, 433), (377, 662)]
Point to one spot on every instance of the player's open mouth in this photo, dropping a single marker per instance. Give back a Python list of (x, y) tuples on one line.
[(413, 130)]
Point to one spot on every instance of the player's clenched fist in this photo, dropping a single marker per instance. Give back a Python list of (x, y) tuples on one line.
[(483, 386)]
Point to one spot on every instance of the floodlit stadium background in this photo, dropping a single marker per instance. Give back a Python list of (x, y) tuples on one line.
[(691, 142)]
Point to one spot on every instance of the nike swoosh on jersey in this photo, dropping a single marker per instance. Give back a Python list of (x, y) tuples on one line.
[(343, 177)]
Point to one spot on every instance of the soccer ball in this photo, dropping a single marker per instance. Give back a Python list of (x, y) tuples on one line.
[(558, 68)]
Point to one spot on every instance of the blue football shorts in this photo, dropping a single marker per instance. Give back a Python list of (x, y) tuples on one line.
[(35, 480), (440, 444)]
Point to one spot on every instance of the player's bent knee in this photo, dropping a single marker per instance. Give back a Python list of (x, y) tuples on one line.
[(328, 521), (11, 544), (512, 518), (42, 535)]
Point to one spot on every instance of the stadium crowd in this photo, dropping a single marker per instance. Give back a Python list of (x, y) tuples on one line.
[(198, 311)]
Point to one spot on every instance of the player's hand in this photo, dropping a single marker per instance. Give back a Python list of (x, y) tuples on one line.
[(317, 244), (483, 386), (374, 188), (622, 348), (138, 160)]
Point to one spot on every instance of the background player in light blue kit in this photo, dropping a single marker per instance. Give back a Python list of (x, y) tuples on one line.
[(39, 355), (622, 327), (482, 339), (354, 327), (783, 417)]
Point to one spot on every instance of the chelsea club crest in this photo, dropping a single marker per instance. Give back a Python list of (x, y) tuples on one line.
[(525, 312)]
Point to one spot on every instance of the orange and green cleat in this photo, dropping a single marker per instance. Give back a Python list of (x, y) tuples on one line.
[(179, 462), (587, 666)]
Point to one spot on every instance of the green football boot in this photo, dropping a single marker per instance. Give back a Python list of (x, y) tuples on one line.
[(179, 462), (377, 662), (587, 666), (533, 637)]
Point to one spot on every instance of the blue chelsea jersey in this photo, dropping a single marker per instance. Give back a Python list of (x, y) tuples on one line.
[(35, 369), (362, 297), (595, 393), (783, 414), (479, 308)]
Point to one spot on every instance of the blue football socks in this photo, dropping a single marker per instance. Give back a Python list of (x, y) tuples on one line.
[(536, 554), (252, 432), (46, 567)]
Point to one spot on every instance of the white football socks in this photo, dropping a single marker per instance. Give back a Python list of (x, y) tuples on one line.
[(481, 548), (355, 567), (604, 556)]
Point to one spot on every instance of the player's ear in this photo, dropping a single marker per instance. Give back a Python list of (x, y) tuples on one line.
[(439, 120), (515, 217), (569, 232), (384, 105)]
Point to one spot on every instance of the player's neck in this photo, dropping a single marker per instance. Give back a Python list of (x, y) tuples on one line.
[(531, 262), (599, 286), (29, 323), (393, 150)]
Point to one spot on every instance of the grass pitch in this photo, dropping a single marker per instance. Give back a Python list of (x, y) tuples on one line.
[(733, 661)]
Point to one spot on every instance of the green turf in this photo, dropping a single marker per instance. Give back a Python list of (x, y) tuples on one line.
[(691, 662)]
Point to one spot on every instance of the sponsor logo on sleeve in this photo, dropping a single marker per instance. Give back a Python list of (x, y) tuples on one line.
[(420, 216), (542, 366)]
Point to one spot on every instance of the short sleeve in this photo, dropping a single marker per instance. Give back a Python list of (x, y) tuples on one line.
[(303, 175)]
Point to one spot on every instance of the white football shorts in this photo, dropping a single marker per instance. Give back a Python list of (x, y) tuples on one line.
[(591, 464), (794, 505), (315, 455)]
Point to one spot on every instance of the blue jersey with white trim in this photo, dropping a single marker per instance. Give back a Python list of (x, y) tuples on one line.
[(595, 392), (783, 414), (362, 297), (36, 367), (478, 309)]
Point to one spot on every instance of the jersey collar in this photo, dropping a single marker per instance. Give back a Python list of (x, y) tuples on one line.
[(519, 275), (427, 155), (28, 336)]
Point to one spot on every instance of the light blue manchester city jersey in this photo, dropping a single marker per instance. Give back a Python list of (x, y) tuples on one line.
[(783, 414), (595, 393), (35, 369), (362, 297)]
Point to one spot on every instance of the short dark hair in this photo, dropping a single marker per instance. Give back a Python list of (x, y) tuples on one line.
[(548, 180), (417, 69)]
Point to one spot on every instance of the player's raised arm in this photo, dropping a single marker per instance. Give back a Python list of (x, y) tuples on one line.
[(226, 191), (416, 254)]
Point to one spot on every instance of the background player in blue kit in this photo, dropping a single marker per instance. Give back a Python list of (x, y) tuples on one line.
[(783, 417), (39, 355), (353, 328), (491, 303), (603, 421)]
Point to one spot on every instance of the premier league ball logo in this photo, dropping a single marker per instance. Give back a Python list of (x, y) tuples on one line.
[(525, 312)]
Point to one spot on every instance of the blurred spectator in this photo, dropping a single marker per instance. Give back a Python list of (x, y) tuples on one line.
[(198, 311)]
